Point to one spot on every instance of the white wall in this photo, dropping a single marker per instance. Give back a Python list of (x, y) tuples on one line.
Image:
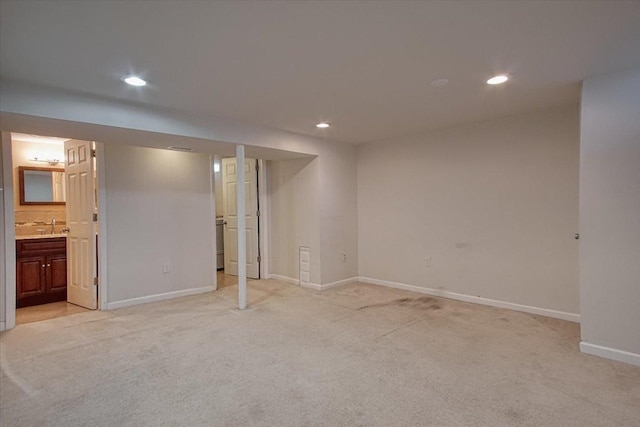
[(294, 216), (338, 213), (159, 210), (493, 204), (217, 177), (2, 247), (610, 216), (313, 203)]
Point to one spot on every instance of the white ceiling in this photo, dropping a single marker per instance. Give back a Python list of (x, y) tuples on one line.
[(363, 66)]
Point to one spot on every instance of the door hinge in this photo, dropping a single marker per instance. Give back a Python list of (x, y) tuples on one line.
[(93, 153), (257, 166), (95, 217), (257, 213), (259, 258), (95, 281)]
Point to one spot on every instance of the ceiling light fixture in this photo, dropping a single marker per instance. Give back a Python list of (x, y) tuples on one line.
[(322, 125), (497, 80), (134, 81)]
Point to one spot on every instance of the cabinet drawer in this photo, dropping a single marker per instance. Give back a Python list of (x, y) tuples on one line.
[(40, 246)]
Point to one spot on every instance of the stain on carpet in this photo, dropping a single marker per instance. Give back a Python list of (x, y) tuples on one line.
[(422, 303)]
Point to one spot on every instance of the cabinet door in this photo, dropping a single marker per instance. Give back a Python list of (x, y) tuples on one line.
[(57, 273), (30, 277)]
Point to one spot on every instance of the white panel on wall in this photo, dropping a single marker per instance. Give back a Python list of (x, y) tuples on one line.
[(305, 265)]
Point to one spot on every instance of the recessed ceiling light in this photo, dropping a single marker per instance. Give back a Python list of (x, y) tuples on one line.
[(134, 81), (497, 80), (439, 82), (322, 125)]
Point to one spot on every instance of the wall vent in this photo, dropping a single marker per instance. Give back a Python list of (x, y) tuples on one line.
[(176, 148)]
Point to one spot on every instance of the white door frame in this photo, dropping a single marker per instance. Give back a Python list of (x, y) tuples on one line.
[(263, 220), (101, 173), (9, 234), (9, 258)]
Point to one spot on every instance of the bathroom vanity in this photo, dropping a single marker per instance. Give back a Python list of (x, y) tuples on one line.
[(41, 270)]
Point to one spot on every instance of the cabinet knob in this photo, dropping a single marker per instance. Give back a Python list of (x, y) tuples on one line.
[(48, 265), (42, 265)]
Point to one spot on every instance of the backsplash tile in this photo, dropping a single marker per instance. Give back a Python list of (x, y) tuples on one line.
[(29, 222)]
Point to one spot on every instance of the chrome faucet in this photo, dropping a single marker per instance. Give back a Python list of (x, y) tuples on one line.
[(53, 226)]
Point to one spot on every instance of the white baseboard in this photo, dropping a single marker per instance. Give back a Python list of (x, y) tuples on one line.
[(610, 353), (572, 317), (3, 326), (158, 297), (296, 282), (286, 279), (338, 283), (313, 286)]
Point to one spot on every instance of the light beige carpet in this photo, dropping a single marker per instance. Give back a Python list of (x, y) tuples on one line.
[(353, 355)]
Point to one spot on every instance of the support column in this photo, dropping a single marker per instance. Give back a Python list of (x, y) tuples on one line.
[(242, 233)]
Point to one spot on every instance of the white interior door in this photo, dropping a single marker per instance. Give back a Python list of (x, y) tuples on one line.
[(229, 182), (81, 239)]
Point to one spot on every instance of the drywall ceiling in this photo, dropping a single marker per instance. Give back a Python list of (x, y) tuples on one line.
[(366, 67)]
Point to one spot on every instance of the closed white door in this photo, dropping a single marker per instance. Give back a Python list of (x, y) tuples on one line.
[(229, 182), (81, 239)]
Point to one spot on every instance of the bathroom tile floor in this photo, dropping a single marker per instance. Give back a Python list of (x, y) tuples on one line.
[(53, 310)]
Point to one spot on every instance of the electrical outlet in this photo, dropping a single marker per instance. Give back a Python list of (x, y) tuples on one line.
[(427, 261), (344, 257), (166, 267)]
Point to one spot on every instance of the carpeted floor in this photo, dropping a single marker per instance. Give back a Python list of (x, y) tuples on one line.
[(353, 355)]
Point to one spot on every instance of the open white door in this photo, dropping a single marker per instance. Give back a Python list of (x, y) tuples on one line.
[(81, 239), (229, 182)]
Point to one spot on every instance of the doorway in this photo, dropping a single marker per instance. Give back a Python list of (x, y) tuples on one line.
[(53, 180), (226, 219)]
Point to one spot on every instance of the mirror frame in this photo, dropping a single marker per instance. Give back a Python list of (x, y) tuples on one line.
[(21, 170)]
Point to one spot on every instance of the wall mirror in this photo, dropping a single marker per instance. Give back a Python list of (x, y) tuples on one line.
[(41, 186)]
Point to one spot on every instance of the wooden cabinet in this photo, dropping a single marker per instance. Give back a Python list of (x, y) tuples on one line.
[(41, 271)]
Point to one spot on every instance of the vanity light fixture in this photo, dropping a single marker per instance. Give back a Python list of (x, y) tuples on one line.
[(497, 80), (322, 125), (134, 81), (52, 161)]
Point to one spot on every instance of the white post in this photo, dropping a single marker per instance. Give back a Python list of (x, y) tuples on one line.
[(242, 233)]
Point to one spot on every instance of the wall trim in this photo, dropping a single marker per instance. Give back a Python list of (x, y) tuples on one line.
[(8, 280), (3, 326), (286, 279), (572, 317), (296, 282), (159, 297), (339, 283), (610, 353)]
